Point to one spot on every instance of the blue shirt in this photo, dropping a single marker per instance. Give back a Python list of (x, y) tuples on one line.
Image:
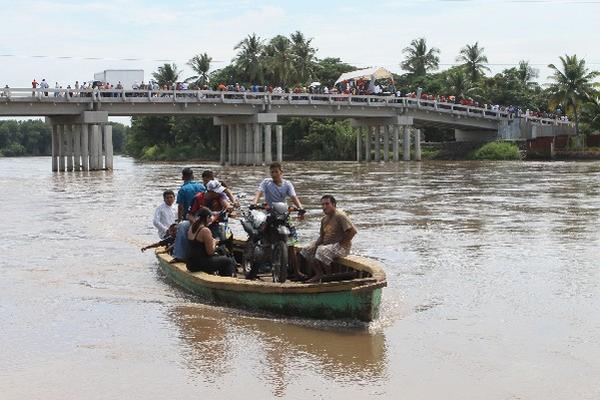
[(186, 193), (274, 193)]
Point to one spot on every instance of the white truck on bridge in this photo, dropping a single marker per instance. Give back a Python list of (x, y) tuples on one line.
[(127, 77)]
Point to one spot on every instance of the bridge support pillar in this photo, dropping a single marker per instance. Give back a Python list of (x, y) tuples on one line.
[(368, 144), (258, 154), (94, 142), (223, 146), (279, 142), (377, 135), (358, 134), (396, 146), (239, 134), (76, 147), (230, 143), (68, 134), (386, 143), (60, 129), (249, 145), (406, 143), (417, 145), (55, 147), (268, 152), (85, 149), (108, 147)]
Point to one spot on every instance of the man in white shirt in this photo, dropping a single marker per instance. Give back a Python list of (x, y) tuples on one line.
[(165, 214)]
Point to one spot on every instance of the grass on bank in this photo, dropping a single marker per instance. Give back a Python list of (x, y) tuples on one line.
[(174, 153), (497, 151)]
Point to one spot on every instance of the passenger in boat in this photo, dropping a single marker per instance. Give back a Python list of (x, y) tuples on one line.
[(202, 246), (276, 189), (209, 175), (165, 214), (214, 198), (335, 239), (168, 241), (185, 196)]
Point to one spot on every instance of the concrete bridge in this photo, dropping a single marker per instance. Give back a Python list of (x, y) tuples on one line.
[(82, 139)]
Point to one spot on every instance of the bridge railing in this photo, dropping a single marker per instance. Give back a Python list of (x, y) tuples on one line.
[(261, 98)]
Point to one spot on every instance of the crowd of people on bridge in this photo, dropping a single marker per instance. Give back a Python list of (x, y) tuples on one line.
[(358, 87), (189, 225)]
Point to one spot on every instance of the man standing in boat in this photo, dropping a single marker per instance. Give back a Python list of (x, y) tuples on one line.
[(276, 189), (335, 239)]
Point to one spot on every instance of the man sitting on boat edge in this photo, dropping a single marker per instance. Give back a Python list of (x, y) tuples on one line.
[(335, 239)]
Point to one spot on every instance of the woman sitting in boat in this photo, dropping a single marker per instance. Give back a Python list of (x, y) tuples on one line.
[(202, 246)]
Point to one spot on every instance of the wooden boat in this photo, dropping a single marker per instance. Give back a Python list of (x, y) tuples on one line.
[(356, 296)]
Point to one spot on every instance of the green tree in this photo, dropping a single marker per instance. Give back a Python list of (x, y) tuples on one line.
[(279, 60), (200, 64), (167, 74), (526, 73), (473, 61), (304, 61), (591, 112), (459, 84), (572, 85), (249, 58), (420, 59), (329, 70)]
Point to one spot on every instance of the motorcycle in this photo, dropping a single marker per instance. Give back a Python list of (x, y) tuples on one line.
[(268, 232)]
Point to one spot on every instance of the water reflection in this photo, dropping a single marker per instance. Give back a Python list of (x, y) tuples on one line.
[(280, 349)]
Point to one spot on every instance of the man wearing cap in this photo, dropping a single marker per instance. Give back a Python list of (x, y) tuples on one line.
[(214, 198), (185, 196)]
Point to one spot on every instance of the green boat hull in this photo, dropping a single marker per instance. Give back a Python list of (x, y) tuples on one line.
[(357, 303)]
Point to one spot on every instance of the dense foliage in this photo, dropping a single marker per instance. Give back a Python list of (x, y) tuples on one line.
[(497, 151), (34, 138)]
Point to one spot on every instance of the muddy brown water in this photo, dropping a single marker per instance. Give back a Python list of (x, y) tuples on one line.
[(493, 270)]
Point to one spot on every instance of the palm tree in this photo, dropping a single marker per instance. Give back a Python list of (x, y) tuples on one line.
[(167, 74), (304, 62), (473, 61), (526, 73), (571, 85), (420, 59), (249, 58), (201, 65), (279, 59), (459, 84), (591, 111)]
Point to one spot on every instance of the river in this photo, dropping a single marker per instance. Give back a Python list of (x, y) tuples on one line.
[(493, 288)]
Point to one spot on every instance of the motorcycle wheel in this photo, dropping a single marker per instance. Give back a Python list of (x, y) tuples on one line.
[(279, 262)]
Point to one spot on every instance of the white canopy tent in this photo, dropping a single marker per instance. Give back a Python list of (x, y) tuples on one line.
[(367, 73)]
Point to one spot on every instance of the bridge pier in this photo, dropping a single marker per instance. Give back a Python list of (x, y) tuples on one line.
[(417, 145), (386, 142), (76, 146), (358, 134), (406, 143), (268, 152), (246, 140), (377, 147), (396, 146)]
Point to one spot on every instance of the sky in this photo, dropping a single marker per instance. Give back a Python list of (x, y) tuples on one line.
[(68, 40)]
